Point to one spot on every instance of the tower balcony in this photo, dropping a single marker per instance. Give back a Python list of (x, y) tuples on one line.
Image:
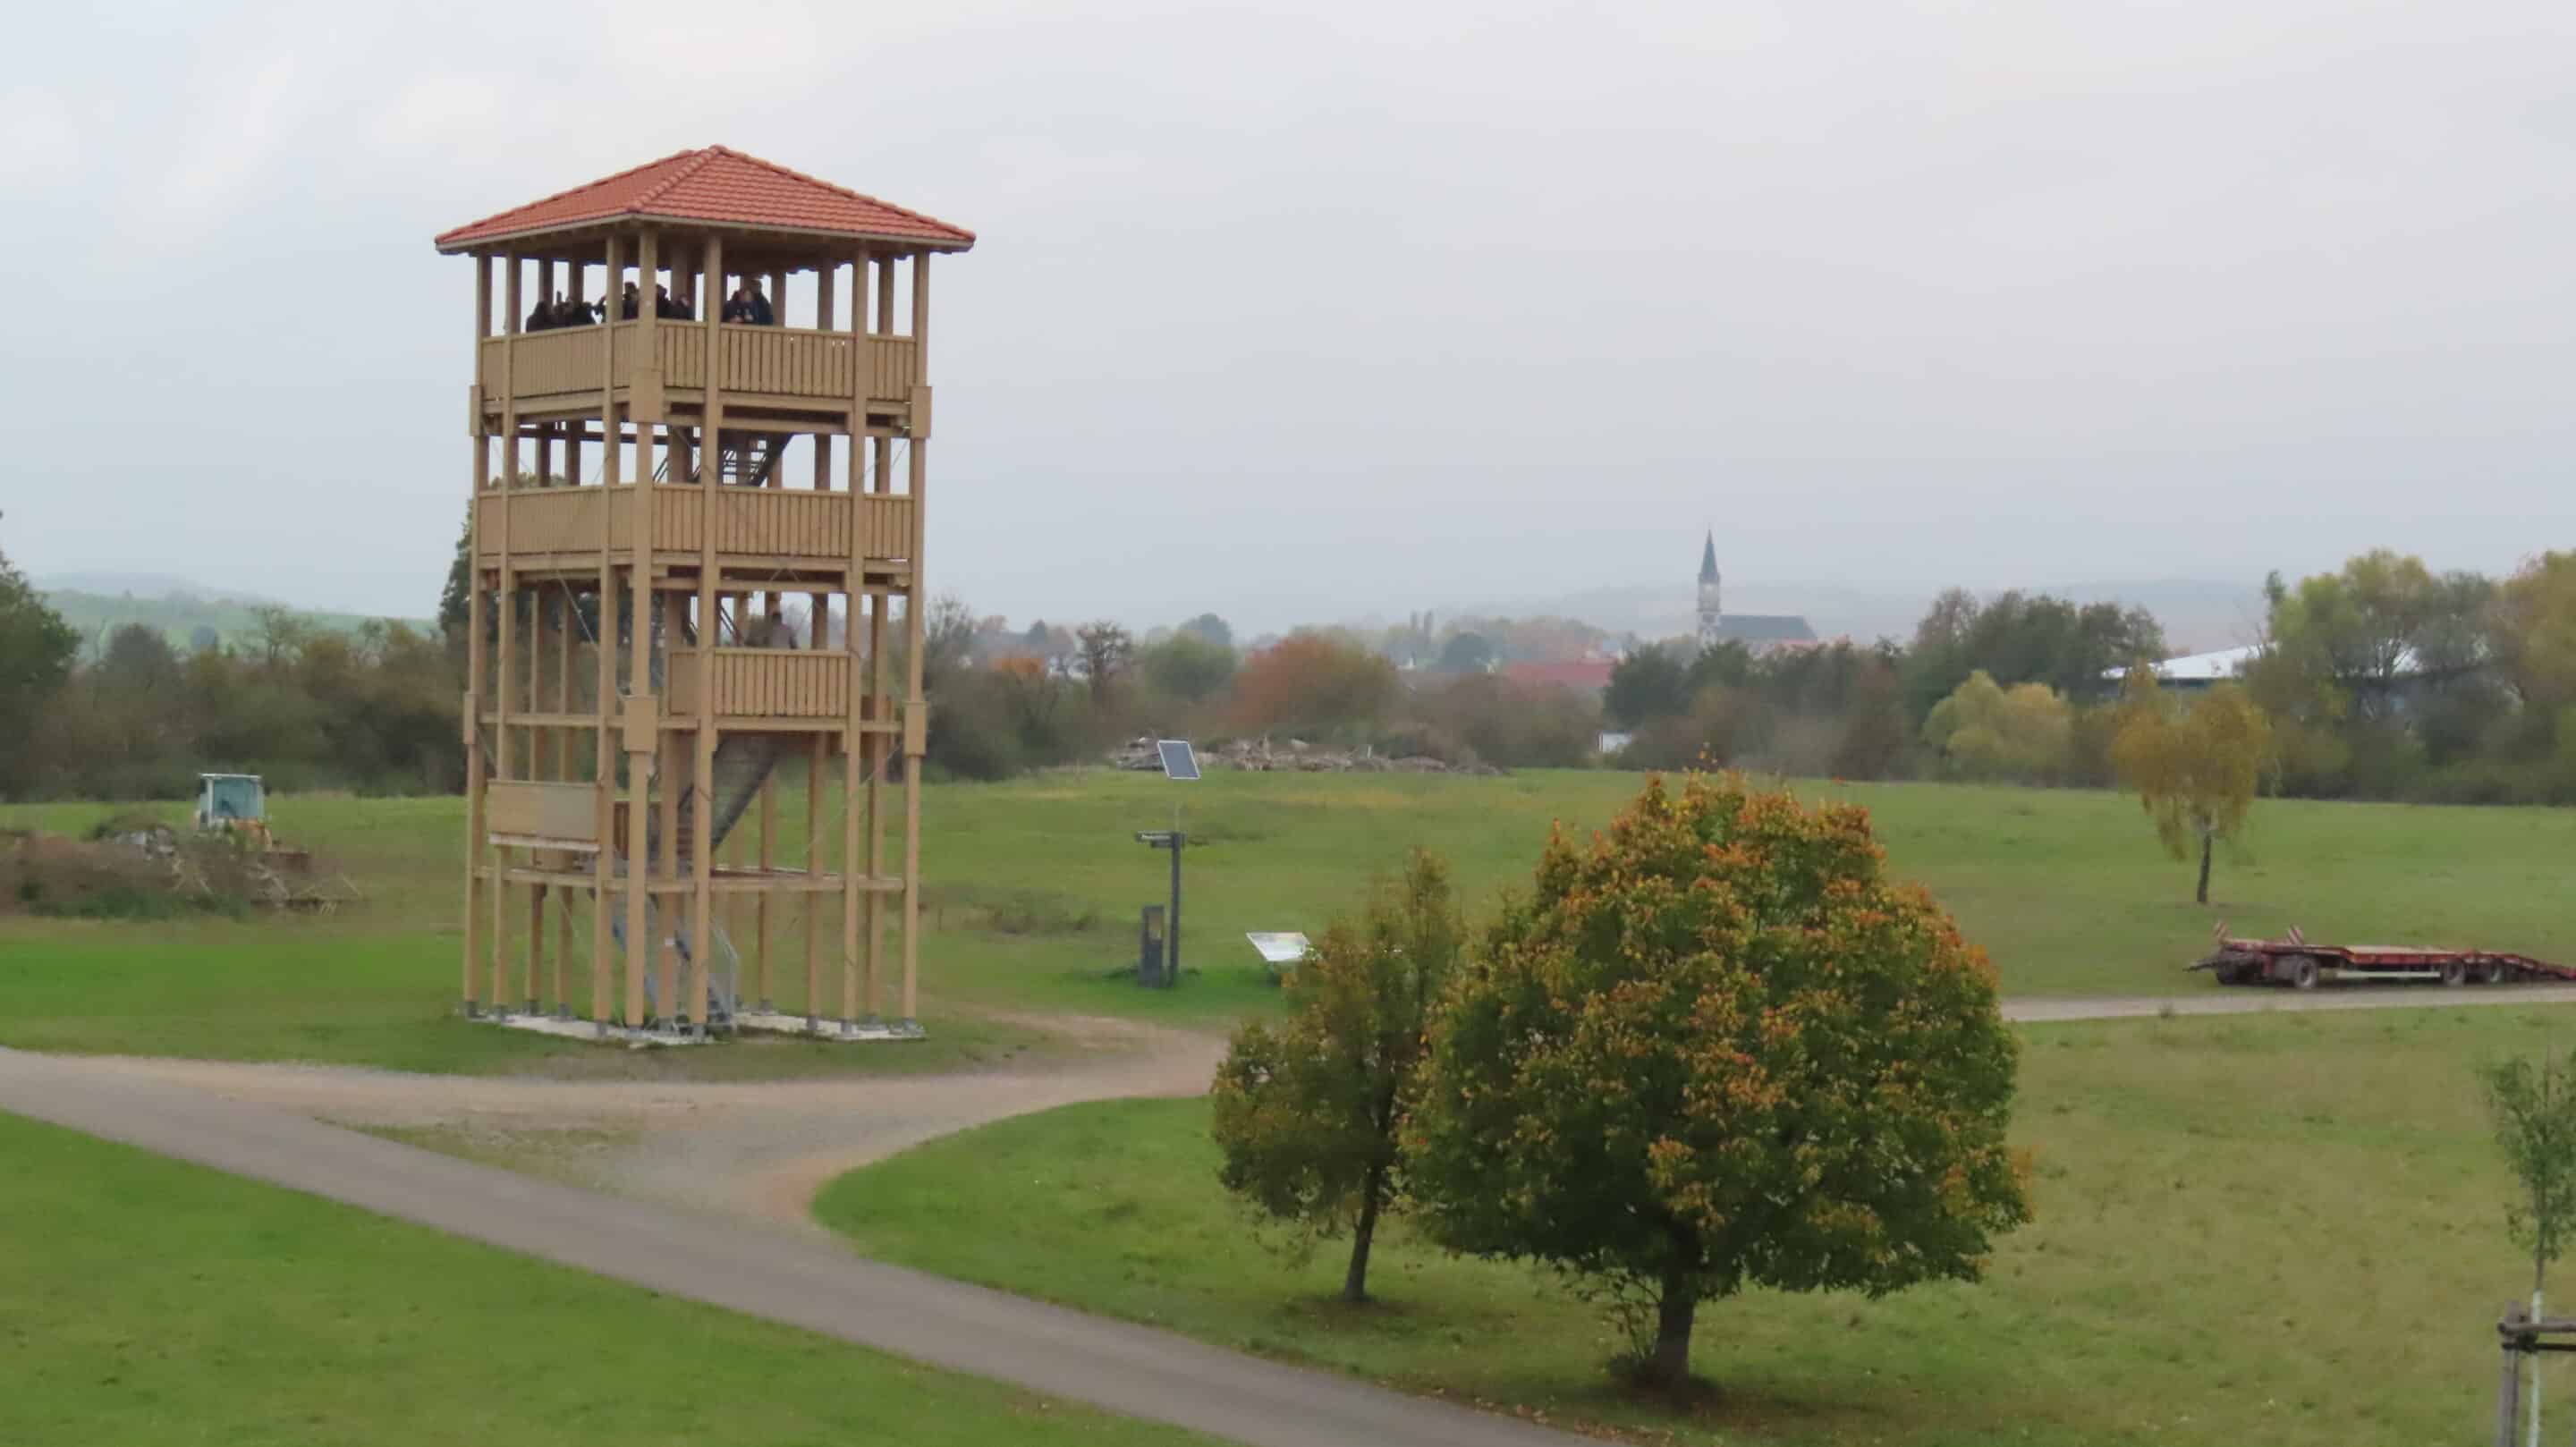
[(789, 371), (569, 527)]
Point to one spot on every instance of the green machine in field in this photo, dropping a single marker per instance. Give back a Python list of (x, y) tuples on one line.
[(226, 801)]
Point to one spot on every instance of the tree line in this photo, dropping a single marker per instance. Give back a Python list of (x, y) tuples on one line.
[(2382, 679)]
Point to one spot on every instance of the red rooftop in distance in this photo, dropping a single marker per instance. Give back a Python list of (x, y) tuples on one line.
[(719, 186)]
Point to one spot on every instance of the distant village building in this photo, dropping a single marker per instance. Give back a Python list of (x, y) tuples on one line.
[(1760, 633), (2200, 670), (1583, 675)]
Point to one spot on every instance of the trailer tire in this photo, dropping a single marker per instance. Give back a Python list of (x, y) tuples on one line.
[(2454, 975), (2303, 971)]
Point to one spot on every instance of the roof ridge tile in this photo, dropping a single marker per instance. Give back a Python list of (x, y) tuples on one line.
[(566, 194)]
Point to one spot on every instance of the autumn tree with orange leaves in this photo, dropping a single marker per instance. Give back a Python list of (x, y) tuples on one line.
[(1716, 1047), (1314, 684)]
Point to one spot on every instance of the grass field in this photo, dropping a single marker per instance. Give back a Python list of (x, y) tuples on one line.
[(1035, 886), (146, 1301), (2280, 1229)]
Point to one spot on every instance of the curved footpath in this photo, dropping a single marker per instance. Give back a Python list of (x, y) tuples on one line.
[(724, 1155), (816, 1285)]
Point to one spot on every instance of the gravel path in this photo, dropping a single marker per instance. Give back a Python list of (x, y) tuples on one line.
[(818, 1285), (2261, 1000), (756, 1150), (684, 1158)]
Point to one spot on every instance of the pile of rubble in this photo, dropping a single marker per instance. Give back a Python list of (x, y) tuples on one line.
[(1293, 756), (127, 862)]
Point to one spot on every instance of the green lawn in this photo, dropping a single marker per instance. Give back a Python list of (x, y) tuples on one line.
[(2281, 1230), (146, 1301), (1035, 886)]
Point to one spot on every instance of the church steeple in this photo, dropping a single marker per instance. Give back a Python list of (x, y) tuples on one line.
[(1709, 615)]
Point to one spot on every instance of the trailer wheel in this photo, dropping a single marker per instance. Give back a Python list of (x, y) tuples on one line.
[(2454, 975), (2303, 972)]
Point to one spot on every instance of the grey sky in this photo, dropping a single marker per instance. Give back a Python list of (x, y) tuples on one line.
[(1308, 311)]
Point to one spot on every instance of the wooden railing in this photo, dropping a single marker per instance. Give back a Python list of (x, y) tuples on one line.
[(772, 361), (566, 812), (776, 522), (785, 363), (894, 369), (766, 683), (760, 522), (544, 520)]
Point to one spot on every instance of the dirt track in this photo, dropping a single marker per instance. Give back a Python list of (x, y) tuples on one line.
[(2258, 1000), (688, 1157), (759, 1151), (816, 1284)]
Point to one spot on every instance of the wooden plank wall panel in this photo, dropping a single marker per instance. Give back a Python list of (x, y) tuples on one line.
[(772, 522), (888, 524), (491, 348), (675, 518), (684, 355), (547, 810), (767, 683), (550, 364), (558, 520), (784, 363), (783, 684), (895, 368)]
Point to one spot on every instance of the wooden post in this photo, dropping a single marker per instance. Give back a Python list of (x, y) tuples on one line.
[(567, 622), (474, 622), (916, 714), (549, 281), (814, 781), (642, 714), (536, 936), (879, 746), (768, 862), (506, 623), (674, 610), (701, 788), (2509, 1390), (885, 295), (859, 774), (536, 696)]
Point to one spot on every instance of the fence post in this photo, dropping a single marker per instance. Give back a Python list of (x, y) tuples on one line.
[(2509, 1390)]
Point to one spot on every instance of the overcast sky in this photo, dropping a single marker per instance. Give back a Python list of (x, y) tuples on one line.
[(1314, 310)]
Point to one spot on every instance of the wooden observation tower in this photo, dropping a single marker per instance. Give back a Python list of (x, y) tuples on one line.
[(688, 551)]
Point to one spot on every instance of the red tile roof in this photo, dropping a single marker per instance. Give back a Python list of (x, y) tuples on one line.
[(714, 184), (1580, 674)]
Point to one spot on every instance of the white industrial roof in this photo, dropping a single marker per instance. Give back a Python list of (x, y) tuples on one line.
[(2199, 667), (2228, 663)]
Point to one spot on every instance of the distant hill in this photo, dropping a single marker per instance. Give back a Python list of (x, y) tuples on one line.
[(175, 606)]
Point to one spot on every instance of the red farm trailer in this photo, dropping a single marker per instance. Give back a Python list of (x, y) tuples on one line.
[(2302, 964)]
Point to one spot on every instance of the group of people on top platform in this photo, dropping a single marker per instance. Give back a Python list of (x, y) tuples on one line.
[(749, 307), (746, 306), (546, 315)]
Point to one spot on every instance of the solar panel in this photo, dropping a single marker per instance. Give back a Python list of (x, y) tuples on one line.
[(1179, 761), (1279, 948)]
